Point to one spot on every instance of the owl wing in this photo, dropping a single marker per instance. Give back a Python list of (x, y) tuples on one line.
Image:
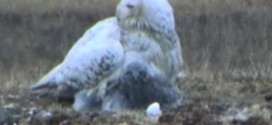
[(95, 32), (95, 56)]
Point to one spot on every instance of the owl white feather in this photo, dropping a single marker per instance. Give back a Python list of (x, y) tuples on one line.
[(152, 48), (151, 21), (95, 56)]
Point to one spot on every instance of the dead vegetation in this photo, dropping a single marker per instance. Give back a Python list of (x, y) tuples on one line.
[(226, 48)]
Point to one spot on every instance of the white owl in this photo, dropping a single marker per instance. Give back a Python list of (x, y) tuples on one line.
[(95, 56), (152, 59), (146, 22)]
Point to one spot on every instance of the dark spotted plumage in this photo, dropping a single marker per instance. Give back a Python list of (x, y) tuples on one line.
[(96, 55)]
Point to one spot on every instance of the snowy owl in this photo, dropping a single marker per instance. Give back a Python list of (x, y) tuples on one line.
[(152, 60), (95, 56), (151, 20), (148, 28)]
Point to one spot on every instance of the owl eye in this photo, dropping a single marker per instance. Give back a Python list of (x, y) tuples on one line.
[(130, 6)]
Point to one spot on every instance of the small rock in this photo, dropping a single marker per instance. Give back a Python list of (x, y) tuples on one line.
[(268, 97), (65, 122), (11, 106), (237, 115), (46, 116), (9, 115), (12, 97), (40, 115), (181, 77), (124, 123), (33, 111)]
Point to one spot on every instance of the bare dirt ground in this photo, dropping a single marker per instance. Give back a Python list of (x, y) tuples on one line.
[(207, 101), (226, 48)]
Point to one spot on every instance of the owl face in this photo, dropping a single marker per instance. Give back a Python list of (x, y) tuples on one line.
[(128, 9)]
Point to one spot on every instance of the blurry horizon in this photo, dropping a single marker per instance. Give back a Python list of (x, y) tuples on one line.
[(216, 35)]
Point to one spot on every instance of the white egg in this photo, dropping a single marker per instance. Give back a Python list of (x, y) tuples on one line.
[(153, 111)]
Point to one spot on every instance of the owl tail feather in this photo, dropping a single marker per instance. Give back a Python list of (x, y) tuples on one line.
[(47, 81), (42, 86)]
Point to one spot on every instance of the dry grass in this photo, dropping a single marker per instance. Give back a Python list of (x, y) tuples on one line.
[(226, 44), (104, 6), (42, 6)]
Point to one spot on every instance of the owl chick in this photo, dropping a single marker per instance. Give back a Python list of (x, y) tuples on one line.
[(136, 88)]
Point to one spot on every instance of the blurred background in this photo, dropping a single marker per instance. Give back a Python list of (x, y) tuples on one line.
[(217, 35)]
